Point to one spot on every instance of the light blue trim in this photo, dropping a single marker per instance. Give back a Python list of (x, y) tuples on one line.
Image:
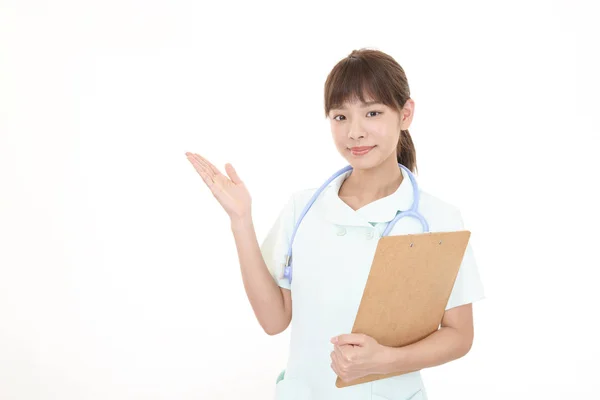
[(411, 212)]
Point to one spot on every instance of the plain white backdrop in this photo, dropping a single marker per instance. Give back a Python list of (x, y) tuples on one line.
[(118, 271)]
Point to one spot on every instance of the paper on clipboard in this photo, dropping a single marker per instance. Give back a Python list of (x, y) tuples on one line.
[(408, 288)]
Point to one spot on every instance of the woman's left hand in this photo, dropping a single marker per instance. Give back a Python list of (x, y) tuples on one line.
[(356, 355)]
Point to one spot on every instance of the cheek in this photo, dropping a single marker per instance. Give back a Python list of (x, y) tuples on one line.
[(392, 138), (387, 137), (339, 139)]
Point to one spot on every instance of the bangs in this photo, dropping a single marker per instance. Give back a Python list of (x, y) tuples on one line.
[(354, 79)]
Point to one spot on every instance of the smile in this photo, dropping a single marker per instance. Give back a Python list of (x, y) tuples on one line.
[(361, 151)]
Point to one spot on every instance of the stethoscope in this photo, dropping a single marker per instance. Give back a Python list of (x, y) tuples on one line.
[(411, 212)]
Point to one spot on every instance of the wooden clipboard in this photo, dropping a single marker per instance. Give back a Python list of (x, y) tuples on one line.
[(408, 288)]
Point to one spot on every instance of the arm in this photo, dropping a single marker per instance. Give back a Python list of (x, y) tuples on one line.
[(453, 340), (272, 304)]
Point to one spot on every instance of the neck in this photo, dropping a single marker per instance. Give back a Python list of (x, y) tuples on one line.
[(371, 184)]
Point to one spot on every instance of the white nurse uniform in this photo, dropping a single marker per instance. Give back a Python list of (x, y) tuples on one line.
[(332, 254)]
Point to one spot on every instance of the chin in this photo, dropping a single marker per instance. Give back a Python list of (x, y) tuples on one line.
[(362, 164)]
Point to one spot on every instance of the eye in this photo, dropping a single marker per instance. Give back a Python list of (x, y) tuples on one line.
[(338, 116), (373, 112)]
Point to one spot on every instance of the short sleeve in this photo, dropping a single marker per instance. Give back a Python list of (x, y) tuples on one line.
[(468, 287), (275, 245)]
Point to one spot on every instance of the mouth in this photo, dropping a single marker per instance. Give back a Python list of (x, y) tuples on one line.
[(359, 151)]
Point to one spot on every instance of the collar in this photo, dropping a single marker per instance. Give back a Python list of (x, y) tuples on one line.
[(381, 210)]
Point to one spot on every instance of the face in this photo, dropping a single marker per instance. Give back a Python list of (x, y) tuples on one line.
[(369, 124)]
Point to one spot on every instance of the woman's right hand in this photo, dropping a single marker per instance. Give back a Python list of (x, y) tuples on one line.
[(230, 193)]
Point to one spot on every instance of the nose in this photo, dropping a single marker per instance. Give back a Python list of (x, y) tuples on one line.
[(356, 131)]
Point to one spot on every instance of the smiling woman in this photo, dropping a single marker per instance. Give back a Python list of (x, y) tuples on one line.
[(367, 101), (371, 85)]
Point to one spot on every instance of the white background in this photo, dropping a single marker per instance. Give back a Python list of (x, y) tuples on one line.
[(118, 271)]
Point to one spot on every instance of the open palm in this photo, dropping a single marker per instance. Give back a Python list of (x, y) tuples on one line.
[(230, 192)]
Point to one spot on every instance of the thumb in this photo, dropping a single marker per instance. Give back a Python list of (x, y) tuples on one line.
[(351, 338), (232, 174)]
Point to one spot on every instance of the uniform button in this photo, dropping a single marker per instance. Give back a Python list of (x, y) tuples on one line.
[(370, 235), (341, 231)]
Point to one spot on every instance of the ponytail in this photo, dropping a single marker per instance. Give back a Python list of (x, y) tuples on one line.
[(407, 154)]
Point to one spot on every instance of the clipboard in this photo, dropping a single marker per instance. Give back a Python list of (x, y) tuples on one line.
[(408, 289)]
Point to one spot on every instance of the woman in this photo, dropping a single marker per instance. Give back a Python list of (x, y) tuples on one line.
[(367, 100)]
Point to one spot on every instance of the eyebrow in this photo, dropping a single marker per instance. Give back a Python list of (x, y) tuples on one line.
[(368, 103)]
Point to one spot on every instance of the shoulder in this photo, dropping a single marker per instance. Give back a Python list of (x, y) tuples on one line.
[(442, 214), (301, 197), (296, 200), (303, 194)]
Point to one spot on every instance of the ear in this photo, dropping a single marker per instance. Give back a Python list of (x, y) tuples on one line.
[(406, 114)]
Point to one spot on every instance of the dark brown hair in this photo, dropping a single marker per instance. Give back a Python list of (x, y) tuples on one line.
[(378, 75)]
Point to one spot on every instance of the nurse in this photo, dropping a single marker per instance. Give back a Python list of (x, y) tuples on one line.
[(311, 268)]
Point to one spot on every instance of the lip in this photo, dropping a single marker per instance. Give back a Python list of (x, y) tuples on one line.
[(359, 151)]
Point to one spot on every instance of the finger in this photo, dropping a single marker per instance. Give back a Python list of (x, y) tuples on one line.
[(335, 369), (206, 174), (204, 171), (231, 172), (335, 365), (340, 354), (340, 370), (209, 181), (342, 362), (356, 339), (337, 359), (212, 167), (202, 163)]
